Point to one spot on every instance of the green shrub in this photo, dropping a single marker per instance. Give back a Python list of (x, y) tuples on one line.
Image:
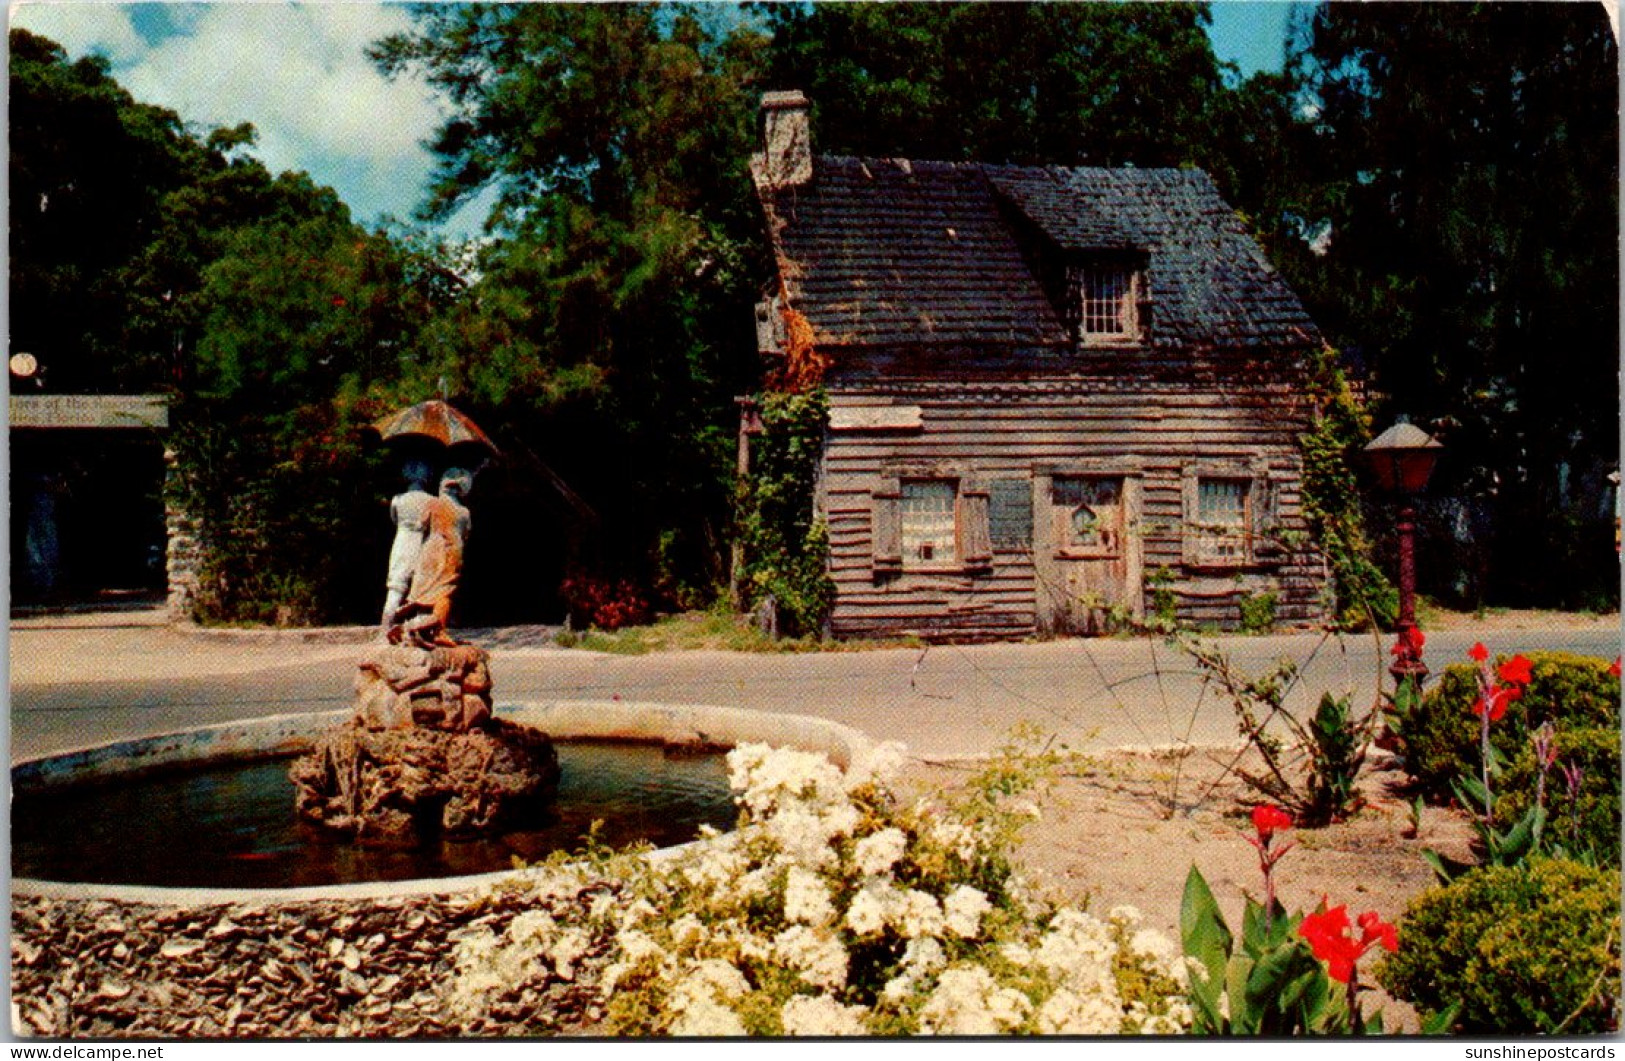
[(1258, 612), (1164, 601), (1585, 821), (1441, 736), (1523, 949), (1311, 776)]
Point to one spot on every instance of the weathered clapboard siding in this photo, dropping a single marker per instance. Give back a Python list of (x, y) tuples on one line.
[(1150, 429), (955, 304)]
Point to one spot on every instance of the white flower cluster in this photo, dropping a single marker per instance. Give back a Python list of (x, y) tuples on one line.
[(967, 1000), (784, 926), (535, 946)]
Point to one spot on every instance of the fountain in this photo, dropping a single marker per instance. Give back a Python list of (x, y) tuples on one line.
[(191, 884), (424, 783), (205, 816)]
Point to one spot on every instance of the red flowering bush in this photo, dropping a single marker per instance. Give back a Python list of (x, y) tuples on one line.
[(1526, 711), (593, 601), (1278, 981), (1440, 738)]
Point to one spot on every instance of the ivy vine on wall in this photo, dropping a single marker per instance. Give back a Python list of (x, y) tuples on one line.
[(1331, 497), (784, 547)]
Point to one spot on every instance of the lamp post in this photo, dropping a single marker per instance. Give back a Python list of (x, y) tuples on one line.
[(1402, 459)]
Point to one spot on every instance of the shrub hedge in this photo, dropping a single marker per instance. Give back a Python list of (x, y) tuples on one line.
[(1584, 820), (1532, 948), (1441, 737)]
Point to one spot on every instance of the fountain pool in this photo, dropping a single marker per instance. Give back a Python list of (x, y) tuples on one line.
[(210, 811)]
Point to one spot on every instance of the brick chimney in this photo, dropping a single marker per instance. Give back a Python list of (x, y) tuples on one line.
[(786, 158)]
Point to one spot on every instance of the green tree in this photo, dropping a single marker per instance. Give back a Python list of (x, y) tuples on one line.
[(89, 170), (616, 304), (1458, 164), (1032, 83), (156, 258)]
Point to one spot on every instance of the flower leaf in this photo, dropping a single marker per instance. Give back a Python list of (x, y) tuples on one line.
[(1201, 927)]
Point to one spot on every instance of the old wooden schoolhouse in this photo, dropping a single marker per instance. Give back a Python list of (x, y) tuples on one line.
[(1059, 397)]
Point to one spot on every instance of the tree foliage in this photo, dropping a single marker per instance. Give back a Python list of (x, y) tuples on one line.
[(1437, 182), (157, 258), (1458, 164), (613, 316), (1032, 83)]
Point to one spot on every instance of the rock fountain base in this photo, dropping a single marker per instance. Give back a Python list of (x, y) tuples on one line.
[(423, 753)]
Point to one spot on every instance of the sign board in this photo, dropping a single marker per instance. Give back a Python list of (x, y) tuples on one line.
[(876, 418), (88, 410)]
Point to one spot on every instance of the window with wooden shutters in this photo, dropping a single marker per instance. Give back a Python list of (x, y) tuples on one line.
[(931, 523)]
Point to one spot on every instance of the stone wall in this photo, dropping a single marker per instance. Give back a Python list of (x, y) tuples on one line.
[(183, 554)]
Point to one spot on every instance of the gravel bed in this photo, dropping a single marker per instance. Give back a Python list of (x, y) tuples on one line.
[(321, 968)]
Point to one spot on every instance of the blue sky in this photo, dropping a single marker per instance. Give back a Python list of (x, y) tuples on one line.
[(1250, 33), (298, 72)]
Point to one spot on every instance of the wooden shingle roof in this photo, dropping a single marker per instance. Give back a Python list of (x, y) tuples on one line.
[(891, 251), (878, 251)]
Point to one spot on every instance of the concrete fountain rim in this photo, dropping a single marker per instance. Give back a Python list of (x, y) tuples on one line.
[(279, 735)]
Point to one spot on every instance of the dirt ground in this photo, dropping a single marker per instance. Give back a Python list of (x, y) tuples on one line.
[(1126, 827)]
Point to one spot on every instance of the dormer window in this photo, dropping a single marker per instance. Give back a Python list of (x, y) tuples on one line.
[(1106, 302)]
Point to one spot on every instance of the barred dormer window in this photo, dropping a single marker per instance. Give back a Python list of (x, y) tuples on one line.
[(1108, 303), (1105, 302)]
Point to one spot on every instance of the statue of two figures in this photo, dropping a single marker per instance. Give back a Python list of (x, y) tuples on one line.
[(426, 676), (426, 558), (423, 754)]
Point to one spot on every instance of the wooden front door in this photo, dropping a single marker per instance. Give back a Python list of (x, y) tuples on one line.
[(1087, 553)]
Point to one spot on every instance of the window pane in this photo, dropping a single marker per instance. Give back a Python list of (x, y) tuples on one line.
[(1222, 502), (1107, 295), (928, 519), (1221, 515), (1091, 510)]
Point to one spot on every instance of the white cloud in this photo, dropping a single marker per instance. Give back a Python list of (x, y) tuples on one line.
[(80, 28), (299, 73)]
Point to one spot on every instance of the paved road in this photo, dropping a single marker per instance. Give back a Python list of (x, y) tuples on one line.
[(83, 680)]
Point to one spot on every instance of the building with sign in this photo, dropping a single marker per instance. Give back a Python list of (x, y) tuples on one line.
[(1060, 398), (87, 511)]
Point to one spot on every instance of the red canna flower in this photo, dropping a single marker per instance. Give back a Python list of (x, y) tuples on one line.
[(1496, 702), (1328, 933), (1516, 670), (1409, 643), (1268, 820), (1374, 929), (1613, 668), (1500, 687)]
